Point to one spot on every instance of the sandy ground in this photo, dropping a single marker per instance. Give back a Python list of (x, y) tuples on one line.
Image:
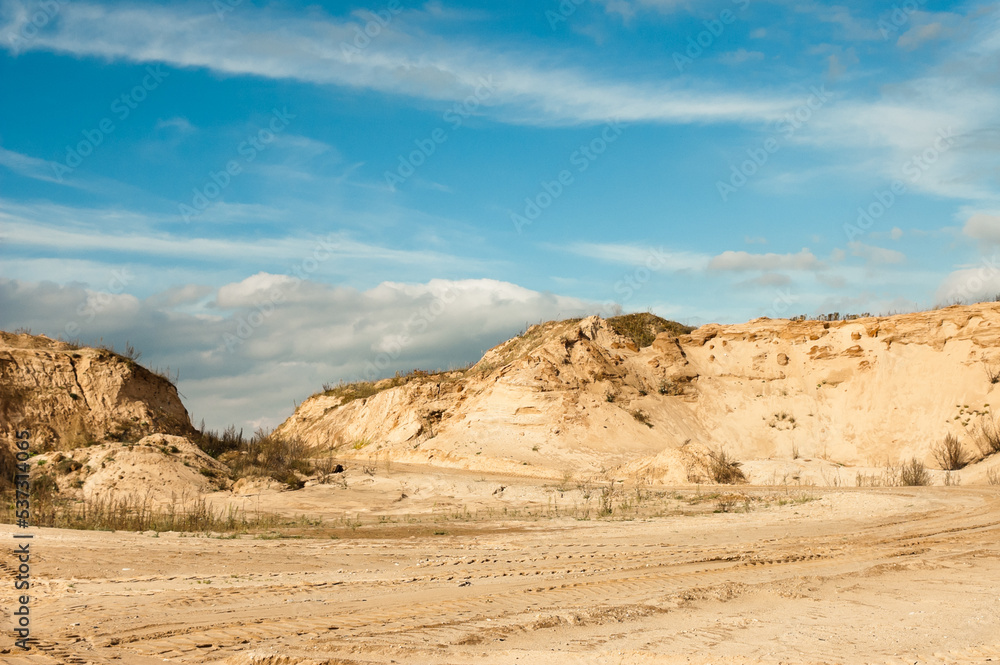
[(901, 575)]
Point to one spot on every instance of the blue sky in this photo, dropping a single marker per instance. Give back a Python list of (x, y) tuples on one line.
[(268, 196)]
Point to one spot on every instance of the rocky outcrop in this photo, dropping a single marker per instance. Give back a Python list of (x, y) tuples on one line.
[(70, 396), (577, 398)]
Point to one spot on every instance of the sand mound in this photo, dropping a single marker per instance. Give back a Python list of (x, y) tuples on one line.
[(68, 396), (579, 398), (160, 468)]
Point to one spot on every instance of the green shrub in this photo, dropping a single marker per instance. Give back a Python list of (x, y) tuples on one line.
[(268, 454), (216, 444), (643, 327)]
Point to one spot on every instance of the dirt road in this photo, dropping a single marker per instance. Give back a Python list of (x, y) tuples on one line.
[(904, 575)]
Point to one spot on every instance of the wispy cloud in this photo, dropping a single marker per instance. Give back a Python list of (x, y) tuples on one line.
[(743, 261), (637, 255), (270, 44)]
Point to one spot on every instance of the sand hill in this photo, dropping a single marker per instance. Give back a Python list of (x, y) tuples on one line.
[(69, 396), (578, 398)]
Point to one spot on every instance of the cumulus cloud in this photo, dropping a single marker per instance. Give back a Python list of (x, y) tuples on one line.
[(742, 261), (279, 339), (971, 283), (983, 226)]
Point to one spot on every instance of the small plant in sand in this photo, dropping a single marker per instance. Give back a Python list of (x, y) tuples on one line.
[(950, 454), (988, 436), (993, 475), (914, 474), (724, 469), (642, 417)]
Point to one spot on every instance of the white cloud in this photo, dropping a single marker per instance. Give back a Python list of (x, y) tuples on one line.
[(741, 261), (83, 231), (983, 226), (637, 255), (627, 9), (971, 283), (285, 348), (182, 125), (268, 43), (874, 256)]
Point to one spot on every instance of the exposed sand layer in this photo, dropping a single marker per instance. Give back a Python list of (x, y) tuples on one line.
[(902, 575), (575, 397), (69, 396)]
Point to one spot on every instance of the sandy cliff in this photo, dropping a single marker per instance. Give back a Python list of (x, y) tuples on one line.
[(68, 396), (575, 397)]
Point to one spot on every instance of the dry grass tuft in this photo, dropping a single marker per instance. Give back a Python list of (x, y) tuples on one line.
[(988, 437), (950, 455), (724, 469), (993, 475), (642, 417), (914, 474), (265, 454)]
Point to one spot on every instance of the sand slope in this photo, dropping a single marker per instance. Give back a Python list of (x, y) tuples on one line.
[(576, 398)]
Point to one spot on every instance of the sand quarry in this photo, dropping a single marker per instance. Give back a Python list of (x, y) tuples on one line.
[(554, 503)]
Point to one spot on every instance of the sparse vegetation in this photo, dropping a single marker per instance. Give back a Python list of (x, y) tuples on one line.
[(914, 474), (348, 392), (216, 444), (992, 373), (671, 388), (993, 475), (642, 328), (642, 417), (950, 455), (724, 469), (132, 513), (988, 436), (265, 454)]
